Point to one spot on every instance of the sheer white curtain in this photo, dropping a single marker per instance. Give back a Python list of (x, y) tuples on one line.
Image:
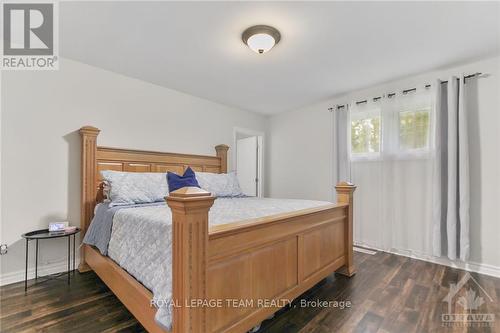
[(342, 163), (392, 164)]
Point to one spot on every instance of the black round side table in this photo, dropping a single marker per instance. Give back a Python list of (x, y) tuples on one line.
[(46, 234)]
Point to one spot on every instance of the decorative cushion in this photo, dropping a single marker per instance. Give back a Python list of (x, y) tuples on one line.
[(176, 182), (220, 184), (129, 188)]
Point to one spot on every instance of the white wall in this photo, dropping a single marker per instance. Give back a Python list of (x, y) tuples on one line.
[(300, 158), (41, 114)]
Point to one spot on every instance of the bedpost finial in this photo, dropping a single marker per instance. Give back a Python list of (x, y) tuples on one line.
[(345, 192), (189, 192), (89, 130), (189, 197), (345, 186), (221, 151), (222, 147)]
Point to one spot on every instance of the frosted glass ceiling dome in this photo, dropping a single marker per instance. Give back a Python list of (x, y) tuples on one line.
[(261, 38)]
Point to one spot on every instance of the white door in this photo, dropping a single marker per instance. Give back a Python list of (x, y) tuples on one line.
[(247, 164)]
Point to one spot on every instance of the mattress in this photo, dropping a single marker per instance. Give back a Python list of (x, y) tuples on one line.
[(141, 240)]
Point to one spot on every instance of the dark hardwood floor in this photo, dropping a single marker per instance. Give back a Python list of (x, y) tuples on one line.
[(389, 293)]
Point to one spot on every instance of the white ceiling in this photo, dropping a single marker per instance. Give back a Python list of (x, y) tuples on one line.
[(327, 48)]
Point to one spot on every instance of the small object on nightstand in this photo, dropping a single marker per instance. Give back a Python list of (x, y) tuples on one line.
[(48, 234), (70, 229), (58, 227)]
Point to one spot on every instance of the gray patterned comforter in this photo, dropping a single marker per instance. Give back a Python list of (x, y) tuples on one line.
[(141, 239)]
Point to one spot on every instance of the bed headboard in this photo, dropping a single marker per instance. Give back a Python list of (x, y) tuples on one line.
[(96, 158)]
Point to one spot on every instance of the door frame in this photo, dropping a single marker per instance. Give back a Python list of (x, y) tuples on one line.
[(260, 144)]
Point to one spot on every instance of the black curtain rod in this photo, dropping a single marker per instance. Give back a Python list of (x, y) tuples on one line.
[(406, 91)]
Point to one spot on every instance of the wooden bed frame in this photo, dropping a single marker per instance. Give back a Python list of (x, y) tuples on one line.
[(262, 262)]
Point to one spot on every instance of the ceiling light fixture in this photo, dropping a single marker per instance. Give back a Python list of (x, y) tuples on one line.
[(261, 38)]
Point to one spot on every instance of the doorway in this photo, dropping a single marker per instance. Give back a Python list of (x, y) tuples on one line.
[(248, 160)]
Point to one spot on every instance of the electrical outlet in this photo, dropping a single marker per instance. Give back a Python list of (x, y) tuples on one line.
[(3, 249)]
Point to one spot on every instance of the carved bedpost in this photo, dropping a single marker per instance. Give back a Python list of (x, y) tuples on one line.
[(89, 148), (222, 153), (190, 206), (345, 194)]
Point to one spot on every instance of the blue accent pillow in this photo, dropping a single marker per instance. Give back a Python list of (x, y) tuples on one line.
[(176, 182)]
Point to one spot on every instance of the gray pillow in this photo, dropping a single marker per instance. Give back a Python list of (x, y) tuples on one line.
[(128, 188), (220, 184)]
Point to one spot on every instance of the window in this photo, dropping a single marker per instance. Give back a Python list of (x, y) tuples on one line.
[(365, 134), (414, 129), (392, 128)]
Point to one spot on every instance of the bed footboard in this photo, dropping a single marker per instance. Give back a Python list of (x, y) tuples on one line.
[(236, 275)]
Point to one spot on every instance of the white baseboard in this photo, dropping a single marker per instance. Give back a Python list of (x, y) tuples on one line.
[(466, 266), (17, 276), (363, 250)]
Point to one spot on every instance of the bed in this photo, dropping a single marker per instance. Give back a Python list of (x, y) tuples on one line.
[(217, 263)]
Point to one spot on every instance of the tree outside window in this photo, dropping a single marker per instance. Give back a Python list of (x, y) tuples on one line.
[(414, 129), (365, 135)]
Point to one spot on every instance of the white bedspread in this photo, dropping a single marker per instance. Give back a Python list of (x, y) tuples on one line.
[(141, 239)]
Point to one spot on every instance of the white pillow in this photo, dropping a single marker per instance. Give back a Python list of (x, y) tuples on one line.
[(128, 188), (220, 184)]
